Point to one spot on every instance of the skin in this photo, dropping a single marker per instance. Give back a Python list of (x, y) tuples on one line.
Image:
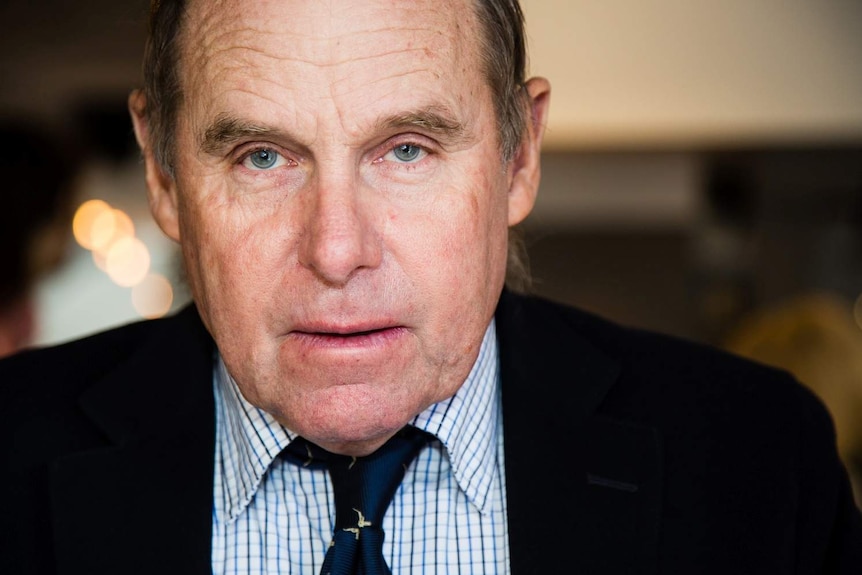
[(348, 286)]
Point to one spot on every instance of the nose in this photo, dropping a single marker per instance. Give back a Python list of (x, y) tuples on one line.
[(340, 237)]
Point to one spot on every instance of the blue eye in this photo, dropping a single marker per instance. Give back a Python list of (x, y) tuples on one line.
[(262, 159), (407, 152)]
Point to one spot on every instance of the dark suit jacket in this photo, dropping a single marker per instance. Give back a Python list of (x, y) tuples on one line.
[(626, 452)]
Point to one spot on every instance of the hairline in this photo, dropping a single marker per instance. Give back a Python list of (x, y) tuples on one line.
[(162, 139)]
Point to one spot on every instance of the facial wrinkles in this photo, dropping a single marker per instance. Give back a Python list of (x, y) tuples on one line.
[(337, 65), (345, 64), (227, 43), (418, 52)]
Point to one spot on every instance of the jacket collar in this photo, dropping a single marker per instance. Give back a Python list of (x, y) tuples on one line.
[(583, 490), (155, 474)]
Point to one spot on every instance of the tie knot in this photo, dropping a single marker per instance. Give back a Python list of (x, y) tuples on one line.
[(363, 488)]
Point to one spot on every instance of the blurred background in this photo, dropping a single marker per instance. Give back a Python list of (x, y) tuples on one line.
[(702, 177)]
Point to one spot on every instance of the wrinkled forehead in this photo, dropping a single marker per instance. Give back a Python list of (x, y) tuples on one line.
[(328, 33)]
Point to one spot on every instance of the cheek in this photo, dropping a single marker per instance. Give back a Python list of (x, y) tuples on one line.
[(229, 252), (461, 243), (476, 222)]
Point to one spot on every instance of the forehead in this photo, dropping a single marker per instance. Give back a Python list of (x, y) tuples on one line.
[(329, 49)]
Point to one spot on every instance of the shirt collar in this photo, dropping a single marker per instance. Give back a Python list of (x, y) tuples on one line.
[(248, 439), (467, 424)]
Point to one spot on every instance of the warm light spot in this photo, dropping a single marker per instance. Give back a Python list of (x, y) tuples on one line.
[(153, 297), (127, 261), (84, 221), (102, 230), (110, 227)]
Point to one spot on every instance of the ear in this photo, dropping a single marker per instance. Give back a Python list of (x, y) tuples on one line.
[(161, 187), (526, 169)]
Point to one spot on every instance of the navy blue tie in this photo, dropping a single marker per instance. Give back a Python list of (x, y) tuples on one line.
[(363, 488)]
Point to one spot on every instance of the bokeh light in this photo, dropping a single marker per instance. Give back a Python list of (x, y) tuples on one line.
[(109, 234), (152, 297), (109, 227), (85, 219), (127, 261)]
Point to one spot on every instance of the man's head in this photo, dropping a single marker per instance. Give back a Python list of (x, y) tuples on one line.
[(342, 183)]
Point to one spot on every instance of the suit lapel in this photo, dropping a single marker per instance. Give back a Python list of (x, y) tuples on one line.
[(583, 491), (143, 504)]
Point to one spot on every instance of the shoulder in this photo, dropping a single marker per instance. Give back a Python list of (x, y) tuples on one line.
[(647, 349), (661, 380), (84, 357), (740, 443), (40, 380), (640, 353)]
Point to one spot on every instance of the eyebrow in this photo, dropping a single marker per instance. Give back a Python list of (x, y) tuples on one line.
[(227, 130), (436, 120)]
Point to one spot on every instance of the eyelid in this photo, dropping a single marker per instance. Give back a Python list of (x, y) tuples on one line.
[(427, 145), (423, 153), (244, 152)]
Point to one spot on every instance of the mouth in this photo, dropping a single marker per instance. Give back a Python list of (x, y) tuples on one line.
[(348, 337)]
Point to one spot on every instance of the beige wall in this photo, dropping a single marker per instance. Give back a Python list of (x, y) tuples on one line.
[(699, 72)]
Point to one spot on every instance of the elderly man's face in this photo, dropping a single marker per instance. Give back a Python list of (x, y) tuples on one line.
[(342, 204)]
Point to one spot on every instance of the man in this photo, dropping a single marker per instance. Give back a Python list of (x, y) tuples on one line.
[(341, 177)]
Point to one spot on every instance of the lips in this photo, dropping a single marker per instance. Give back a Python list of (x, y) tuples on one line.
[(357, 336)]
